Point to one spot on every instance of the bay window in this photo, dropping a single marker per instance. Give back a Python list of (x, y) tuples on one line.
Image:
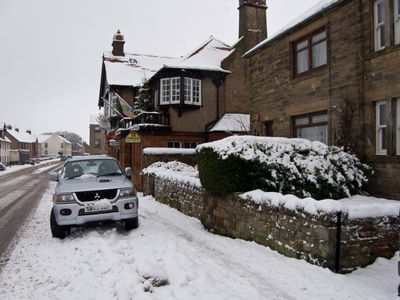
[(381, 126), (310, 52), (171, 90)]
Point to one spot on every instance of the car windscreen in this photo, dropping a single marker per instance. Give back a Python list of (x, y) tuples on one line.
[(91, 168)]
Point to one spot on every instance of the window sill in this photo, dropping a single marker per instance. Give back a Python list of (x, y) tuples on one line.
[(310, 74), (381, 52)]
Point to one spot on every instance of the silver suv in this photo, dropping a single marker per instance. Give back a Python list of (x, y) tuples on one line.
[(92, 189)]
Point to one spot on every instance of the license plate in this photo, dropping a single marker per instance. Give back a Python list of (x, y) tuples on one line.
[(98, 206)]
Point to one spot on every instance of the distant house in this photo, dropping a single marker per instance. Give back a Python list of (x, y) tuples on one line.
[(54, 145), (22, 140), (5, 144), (333, 76), (196, 98), (97, 136)]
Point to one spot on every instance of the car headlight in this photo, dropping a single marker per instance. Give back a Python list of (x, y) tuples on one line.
[(123, 193), (64, 198)]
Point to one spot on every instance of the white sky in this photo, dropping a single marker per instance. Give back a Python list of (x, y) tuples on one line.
[(50, 54)]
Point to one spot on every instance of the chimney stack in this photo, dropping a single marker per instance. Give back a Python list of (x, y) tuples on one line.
[(118, 44), (16, 129), (252, 21), (28, 131)]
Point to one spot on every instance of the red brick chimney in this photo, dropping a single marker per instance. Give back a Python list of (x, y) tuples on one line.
[(118, 44), (253, 21)]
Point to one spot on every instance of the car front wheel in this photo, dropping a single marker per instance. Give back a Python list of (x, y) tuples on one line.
[(132, 223), (58, 231)]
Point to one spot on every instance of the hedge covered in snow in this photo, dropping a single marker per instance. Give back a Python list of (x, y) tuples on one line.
[(288, 166)]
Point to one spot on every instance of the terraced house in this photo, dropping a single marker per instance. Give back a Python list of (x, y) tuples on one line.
[(333, 75)]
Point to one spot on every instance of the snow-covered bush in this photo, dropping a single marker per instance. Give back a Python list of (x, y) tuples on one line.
[(288, 166)]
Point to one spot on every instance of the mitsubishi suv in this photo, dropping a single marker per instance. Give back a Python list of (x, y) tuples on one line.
[(92, 189)]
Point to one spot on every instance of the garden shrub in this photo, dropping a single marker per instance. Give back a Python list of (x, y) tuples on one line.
[(288, 166)]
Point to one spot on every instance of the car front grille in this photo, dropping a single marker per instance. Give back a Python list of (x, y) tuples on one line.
[(96, 195)]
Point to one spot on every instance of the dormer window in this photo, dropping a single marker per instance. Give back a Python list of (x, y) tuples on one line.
[(171, 90)]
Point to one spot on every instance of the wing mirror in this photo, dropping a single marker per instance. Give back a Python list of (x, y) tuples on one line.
[(128, 172), (53, 176)]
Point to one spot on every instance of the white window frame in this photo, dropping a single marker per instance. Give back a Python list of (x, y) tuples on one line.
[(379, 129), (378, 34), (192, 91), (396, 14), (175, 90), (165, 91), (398, 127)]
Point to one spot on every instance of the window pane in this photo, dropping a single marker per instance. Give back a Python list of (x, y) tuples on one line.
[(175, 90), (302, 121), (382, 114), (318, 37), (381, 36), (165, 90), (196, 91), (380, 13), (188, 90), (302, 45), (319, 55), (302, 61), (383, 138), (319, 119), (316, 133)]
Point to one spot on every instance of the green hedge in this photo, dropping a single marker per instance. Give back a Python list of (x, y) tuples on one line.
[(308, 169)]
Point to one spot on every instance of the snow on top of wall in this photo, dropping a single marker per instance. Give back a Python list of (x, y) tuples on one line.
[(175, 171), (233, 123), (133, 69), (356, 206), (317, 8), (5, 140), (164, 150)]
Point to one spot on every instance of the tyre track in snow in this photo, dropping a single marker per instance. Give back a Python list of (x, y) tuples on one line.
[(18, 197), (221, 257)]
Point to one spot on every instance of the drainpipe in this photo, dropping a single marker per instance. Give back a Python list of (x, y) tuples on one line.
[(338, 237), (217, 84)]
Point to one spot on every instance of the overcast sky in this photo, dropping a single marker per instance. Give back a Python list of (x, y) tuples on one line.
[(50, 50)]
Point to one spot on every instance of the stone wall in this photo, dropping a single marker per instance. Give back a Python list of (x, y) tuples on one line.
[(330, 240)]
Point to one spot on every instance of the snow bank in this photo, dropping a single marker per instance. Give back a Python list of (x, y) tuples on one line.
[(175, 171)]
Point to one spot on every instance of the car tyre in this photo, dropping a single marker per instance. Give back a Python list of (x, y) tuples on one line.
[(132, 223), (58, 231)]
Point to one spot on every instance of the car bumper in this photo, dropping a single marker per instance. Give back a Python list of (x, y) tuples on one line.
[(78, 216)]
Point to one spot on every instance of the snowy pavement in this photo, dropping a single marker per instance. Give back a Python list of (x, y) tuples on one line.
[(171, 256)]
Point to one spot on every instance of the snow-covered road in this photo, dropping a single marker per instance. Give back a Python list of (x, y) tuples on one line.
[(171, 256)]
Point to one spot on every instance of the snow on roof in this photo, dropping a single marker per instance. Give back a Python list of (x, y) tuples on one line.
[(233, 123), (208, 56), (43, 137), (22, 136), (5, 140), (314, 10), (64, 139), (133, 69)]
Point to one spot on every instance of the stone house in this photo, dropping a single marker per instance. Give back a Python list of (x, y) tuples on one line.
[(333, 76), (97, 142), (5, 144), (195, 98), (21, 140)]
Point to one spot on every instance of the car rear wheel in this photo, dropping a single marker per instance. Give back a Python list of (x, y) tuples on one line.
[(132, 223), (58, 231)]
